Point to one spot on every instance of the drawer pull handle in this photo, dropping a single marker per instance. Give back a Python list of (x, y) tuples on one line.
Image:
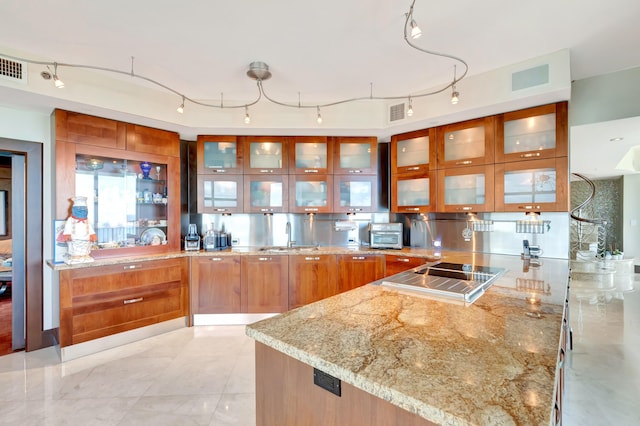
[(220, 210), (128, 267), (311, 258), (355, 171), (466, 208), (314, 209), (529, 207), (530, 154), (358, 258), (265, 259), (266, 210), (311, 170), (266, 171), (136, 300), (463, 163), (402, 260), (412, 209), (216, 259), (221, 171), (413, 168)]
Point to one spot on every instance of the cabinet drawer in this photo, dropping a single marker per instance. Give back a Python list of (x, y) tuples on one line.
[(397, 264)]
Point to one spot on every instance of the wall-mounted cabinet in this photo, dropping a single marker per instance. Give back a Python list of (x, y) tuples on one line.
[(537, 185), (219, 154), (266, 193), (220, 194), (266, 155), (311, 193), (355, 193), (414, 151), (466, 143), (466, 189), (355, 155), (532, 133), (413, 192), (310, 155)]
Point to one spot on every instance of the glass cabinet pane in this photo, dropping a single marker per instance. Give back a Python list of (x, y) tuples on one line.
[(356, 194), (355, 155), (266, 193), (464, 189), (413, 152), (413, 192), (265, 155), (311, 193), (530, 134), (220, 193), (126, 200), (311, 155), (220, 155), (465, 143), (527, 186)]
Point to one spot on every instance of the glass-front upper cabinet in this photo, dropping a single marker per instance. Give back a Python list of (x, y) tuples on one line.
[(220, 194), (310, 154), (354, 194), (310, 194), (467, 143), (266, 194), (127, 200), (466, 189), (413, 192), (538, 185), (413, 151), (355, 155), (533, 133), (265, 155), (219, 154)]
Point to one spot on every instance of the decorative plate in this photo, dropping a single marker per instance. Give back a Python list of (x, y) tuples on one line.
[(148, 235)]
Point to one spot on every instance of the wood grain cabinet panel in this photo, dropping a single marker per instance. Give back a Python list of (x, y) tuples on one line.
[(355, 270), (396, 264), (265, 284), (152, 141), (97, 302), (89, 130), (215, 284), (311, 278)]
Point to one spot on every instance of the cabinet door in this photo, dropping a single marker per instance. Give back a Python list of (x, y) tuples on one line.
[(355, 155), (265, 284), (266, 193), (89, 130), (413, 152), (466, 143), (396, 264), (152, 141), (356, 270), (532, 133), (215, 285), (311, 194), (219, 154), (266, 155), (466, 189), (536, 185), (220, 194), (354, 194), (310, 155), (413, 192), (311, 278)]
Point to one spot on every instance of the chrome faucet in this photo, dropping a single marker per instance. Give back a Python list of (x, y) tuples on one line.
[(290, 242)]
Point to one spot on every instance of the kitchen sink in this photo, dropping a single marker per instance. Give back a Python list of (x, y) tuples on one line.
[(285, 249)]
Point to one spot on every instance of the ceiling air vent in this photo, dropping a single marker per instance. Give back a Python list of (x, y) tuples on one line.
[(13, 70), (396, 112)]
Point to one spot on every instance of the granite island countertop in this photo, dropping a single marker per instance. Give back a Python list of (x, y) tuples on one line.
[(493, 362)]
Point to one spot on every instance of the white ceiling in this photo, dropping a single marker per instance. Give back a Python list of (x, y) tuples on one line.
[(324, 50)]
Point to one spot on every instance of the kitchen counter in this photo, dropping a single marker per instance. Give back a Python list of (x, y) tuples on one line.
[(493, 362)]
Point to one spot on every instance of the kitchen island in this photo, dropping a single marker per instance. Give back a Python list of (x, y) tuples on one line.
[(404, 359)]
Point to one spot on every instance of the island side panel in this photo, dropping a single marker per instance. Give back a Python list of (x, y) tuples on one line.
[(286, 395)]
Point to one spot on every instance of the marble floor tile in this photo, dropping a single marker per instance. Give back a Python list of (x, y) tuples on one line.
[(235, 409)]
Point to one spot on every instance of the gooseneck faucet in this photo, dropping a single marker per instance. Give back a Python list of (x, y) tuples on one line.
[(290, 242)]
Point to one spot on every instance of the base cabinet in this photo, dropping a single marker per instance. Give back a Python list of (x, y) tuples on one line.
[(100, 301), (215, 285), (264, 284), (311, 278), (396, 264), (355, 270)]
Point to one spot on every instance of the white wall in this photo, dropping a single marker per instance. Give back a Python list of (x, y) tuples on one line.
[(36, 127), (631, 217)]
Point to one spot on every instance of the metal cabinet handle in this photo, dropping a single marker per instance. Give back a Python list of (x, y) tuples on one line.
[(220, 210), (129, 267), (465, 208), (221, 171), (358, 257), (311, 258), (463, 163), (530, 154), (266, 171), (311, 209), (216, 259), (266, 210), (400, 259), (413, 168), (412, 209), (136, 300), (311, 170), (265, 259), (355, 210), (355, 171), (529, 207)]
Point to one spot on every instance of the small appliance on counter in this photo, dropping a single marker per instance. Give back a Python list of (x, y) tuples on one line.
[(385, 235), (216, 240), (192, 239)]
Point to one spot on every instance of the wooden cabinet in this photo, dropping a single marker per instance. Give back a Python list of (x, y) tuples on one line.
[(310, 155), (215, 284), (219, 154), (148, 140), (100, 301), (413, 152), (355, 193), (355, 270), (264, 284), (532, 133), (355, 155), (396, 264), (312, 277), (265, 155), (466, 143), (535, 185), (311, 194), (220, 194), (466, 189), (266, 193), (85, 129), (413, 192)]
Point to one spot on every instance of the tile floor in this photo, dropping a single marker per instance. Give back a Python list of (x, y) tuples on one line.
[(204, 375)]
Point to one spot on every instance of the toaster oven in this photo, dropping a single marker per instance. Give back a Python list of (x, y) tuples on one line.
[(385, 235)]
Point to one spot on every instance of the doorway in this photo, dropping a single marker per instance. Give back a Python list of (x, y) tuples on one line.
[(21, 244), (7, 309)]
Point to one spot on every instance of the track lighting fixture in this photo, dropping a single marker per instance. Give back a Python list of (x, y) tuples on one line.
[(455, 96), (259, 72)]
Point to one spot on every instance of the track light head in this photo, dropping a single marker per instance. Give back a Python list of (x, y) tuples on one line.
[(56, 80), (410, 109), (455, 96), (319, 119), (416, 32), (247, 118), (180, 109)]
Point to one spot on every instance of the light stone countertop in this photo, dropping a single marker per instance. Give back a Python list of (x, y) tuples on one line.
[(491, 363)]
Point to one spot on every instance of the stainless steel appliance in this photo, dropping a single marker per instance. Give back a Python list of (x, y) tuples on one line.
[(385, 235), (453, 281)]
